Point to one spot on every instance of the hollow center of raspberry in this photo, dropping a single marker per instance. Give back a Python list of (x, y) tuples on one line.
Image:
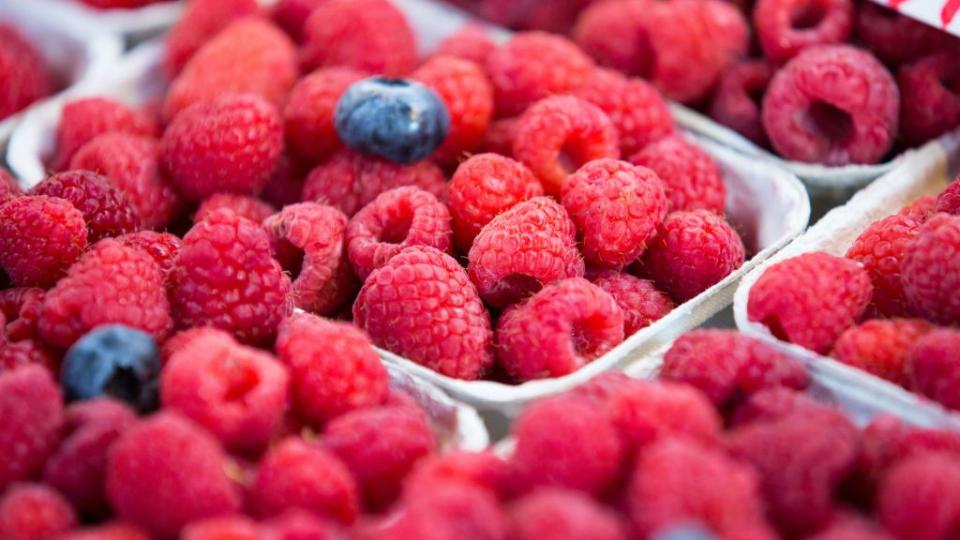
[(519, 286), (396, 231), (832, 123), (808, 15), (289, 256)]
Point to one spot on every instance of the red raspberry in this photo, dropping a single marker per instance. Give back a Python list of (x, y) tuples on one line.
[(40, 237), (472, 42), (930, 106), (314, 234), (935, 366), (34, 512), (736, 101), (563, 515), (501, 136), (920, 498), (775, 403), (922, 208), (478, 469), (887, 441), (880, 249), (465, 90), (32, 409), (930, 270), (219, 528), (24, 72), (438, 322), (201, 20), (231, 144), (616, 34), (131, 163), (285, 183), (810, 299), (881, 347), (787, 27), (291, 15), (245, 206), (165, 472), (532, 66), (894, 38), (298, 524), (558, 135), (851, 527), (484, 186), (14, 354), (294, 474), (163, 247), (9, 188), (949, 200), (111, 283), (309, 113), (105, 209), (350, 181), (20, 307), (395, 220), (110, 531), (639, 300), (370, 35), (380, 446), (691, 177), (451, 512), (319, 352), (84, 119), (817, 108), (225, 277)]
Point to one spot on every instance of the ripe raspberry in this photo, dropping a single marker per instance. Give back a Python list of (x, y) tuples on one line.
[(24, 72), (350, 181), (478, 469), (771, 404), (131, 163), (290, 15), (465, 90), (320, 353), (563, 515), (533, 66), (736, 101), (616, 35), (370, 35), (501, 136), (20, 307), (935, 366), (438, 322), (380, 446), (295, 524), (894, 38), (9, 188), (224, 527), (309, 113), (472, 42), (395, 220), (887, 441), (109, 531), (245, 206), (920, 498), (231, 144), (880, 250), (560, 134), (930, 106), (949, 199), (163, 247), (929, 270), (285, 183), (225, 277), (84, 119), (34, 511), (922, 208), (201, 20), (810, 299), (105, 209), (816, 109), (881, 347), (14, 354), (32, 409), (40, 237), (691, 178), (787, 27), (451, 512)]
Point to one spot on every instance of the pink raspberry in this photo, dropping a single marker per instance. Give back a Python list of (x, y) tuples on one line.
[(163, 247), (438, 322), (308, 114), (851, 527), (40, 237), (563, 515), (929, 270), (736, 101), (478, 469), (894, 38), (787, 27), (24, 70), (810, 299), (880, 249), (691, 178), (244, 206), (395, 220), (922, 207), (105, 209), (501, 136), (948, 201), (32, 409), (930, 106), (920, 497), (881, 347), (290, 15), (935, 366), (451, 512), (775, 403), (33, 512), (558, 135), (23, 352), (9, 188), (472, 42), (616, 34), (201, 20), (84, 119), (295, 524), (887, 441), (224, 527)]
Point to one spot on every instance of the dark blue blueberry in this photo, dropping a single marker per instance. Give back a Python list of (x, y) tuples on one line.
[(115, 361), (398, 120), (685, 531)]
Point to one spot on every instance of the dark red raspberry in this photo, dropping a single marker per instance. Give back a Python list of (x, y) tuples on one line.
[(558, 135), (521, 250), (33, 512), (292, 14), (438, 322), (370, 35), (395, 220), (639, 300), (465, 90), (949, 199), (298, 524), (501, 136), (923, 207), (787, 27), (563, 515), (880, 249), (24, 71), (930, 270), (931, 106), (472, 42), (132, 164), (691, 178), (881, 347), (483, 187), (9, 188), (851, 527), (920, 498), (895, 38), (615, 34), (109, 531), (532, 66), (314, 234), (308, 114), (201, 20), (14, 354), (834, 105), (380, 446), (245, 206), (40, 237), (319, 352), (810, 299), (451, 512), (478, 469), (220, 528), (286, 182), (736, 101), (84, 119), (163, 247), (350, 181), (934, 364), (105, 209), (225, 276), (20, 307), (32, 409)]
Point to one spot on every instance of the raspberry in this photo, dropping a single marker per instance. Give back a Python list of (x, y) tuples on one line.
[(616, 34), (216, 528), (949, 200), (163, 247), (309, 113), (131, 163), (563, 515), (691, 178), (370, 35), (244, 206), (880, 249), (395, 220), (484, 186), (225, 277), (465, 90), (787, 27), (558, 135), (532, 66), (736, 101), (9, 188), (881, 347), (530, 245), (200, 20), (851, 528), (928, 270), (295, 524), (110, 531), (472, 42), (817, 108), (438, 322), (894, 38), (350, 181), (230, 144), (33, 512), (32, 409), (934, 367), (640, 302), (922, 208), (165, 472), (319, 352), (285, 184), (452, 512), (501, 136), (930, 106), (477, 469), (20, 307), (40, 237), (920, 498), (14, 354), (775, 403), (887, 441), (24, 72), (249, 56), (105, 209), (810, 299), (292, 14), (84, 119), (111, 283), (380, 446), (314, 235)]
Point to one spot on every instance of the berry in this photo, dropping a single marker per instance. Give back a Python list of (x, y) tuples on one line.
[(471, 42), (34, 512), (452, 512), (244, 206), (285, 184), (881, 347), (558, 135), (775, 403), (639, 300), (84, 119), (929, 270), (930, 106), (40, 237), (563, 515), (948, 201), (109, 531), (501, 136), (810, 299), (439, 320), (14, 354), (9, 188), (922, 208), (920, 498), (295, 524), (787, 27), (292, 14), (32, 410), (691, 178), (894, 38), (215, 528), (163, 247), (934, 366), (225, 277), (736, 101), (880, 249), (887, 441), (201, 19), (617, 35), (20, 307), (478, 469), (309, 113), (851, 528), (105, 209), (231, 144), (24, 72), (834, 105)]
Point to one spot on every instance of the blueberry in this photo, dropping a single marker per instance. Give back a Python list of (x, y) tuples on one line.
[(115, 361), (398, 120)]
